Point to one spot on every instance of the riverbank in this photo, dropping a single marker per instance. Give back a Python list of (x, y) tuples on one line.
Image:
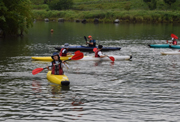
[(109, 15)]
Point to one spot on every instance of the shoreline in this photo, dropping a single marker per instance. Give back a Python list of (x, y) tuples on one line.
[(108, 16)]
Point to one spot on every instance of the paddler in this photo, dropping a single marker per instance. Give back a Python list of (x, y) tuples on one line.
[(56, 65), (92, 42), (98, 52), (64, 51), (174, 42)]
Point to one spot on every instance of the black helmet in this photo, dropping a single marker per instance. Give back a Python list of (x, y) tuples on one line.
[(100, 46), (54, 55)]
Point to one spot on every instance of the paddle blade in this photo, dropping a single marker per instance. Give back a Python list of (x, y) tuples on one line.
[(78, 51), (37, 70), (174, 36), (112, 58), (95, 49), (77, 56), (85, 38)]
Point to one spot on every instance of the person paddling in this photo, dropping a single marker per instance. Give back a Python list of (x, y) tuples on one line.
[(92, 42), (174, 37), (98, 52), (56, 65), (174, 42), (64, 51)]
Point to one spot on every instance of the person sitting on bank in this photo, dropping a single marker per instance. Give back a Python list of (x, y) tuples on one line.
[(98, 52), (174, 42), (64, 51), (92, 42), (56, 65)]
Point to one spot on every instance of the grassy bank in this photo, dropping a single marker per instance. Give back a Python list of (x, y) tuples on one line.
[(110, 15), (109, 10)]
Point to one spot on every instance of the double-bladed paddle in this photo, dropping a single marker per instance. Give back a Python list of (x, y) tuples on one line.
[(78, 55), (110, 57)]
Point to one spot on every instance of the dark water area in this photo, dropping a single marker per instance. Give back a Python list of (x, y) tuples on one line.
[(145, 89)]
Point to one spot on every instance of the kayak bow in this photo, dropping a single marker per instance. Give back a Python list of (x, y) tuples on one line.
[(58, 79)]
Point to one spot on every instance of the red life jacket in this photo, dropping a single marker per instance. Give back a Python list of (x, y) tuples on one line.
[(96, 53), (174, 42), (57, 69), (61, 52)]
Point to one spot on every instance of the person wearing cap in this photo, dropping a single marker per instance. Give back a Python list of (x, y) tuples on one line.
[(174, 42), (56, 65), (98, 52), (64, 51), (92, 42)]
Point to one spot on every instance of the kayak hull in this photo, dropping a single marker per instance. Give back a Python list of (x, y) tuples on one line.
[(50, 59), (170, 53), (85, 48), (175, 46), (86, 58), (159, 45), (117, 58), (58, 79)]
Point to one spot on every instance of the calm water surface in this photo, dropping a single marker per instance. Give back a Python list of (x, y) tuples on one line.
[(146, 89)]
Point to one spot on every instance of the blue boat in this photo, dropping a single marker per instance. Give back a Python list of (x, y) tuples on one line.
[(85, 48), (175, 46), (159, 45)]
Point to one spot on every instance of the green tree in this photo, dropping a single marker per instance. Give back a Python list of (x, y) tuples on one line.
[(151, 4), (169, 2), (15, 16), (60, 4)]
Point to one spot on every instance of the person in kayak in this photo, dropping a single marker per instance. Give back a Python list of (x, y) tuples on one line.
[(174, 42), (98, 52), (92, 42), (56, 65), (64, 51)]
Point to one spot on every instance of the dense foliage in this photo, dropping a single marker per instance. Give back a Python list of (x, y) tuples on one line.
[(60, 4), (151, 4), (15, 16), (169, 2)]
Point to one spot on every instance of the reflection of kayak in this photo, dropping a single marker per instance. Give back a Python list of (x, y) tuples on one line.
[(58, 79), (170, 53), (85, 58), (175, 46), (85, 48), (50, 59), (92, 58), (159, 45)]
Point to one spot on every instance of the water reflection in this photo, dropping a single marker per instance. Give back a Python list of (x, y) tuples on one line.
[(77, 102), (36, 86), (56, 89)]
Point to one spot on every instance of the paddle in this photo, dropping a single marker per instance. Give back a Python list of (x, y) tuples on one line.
[(85, 39), (78, 51), (110, 57), (174, 36), (77, 56)]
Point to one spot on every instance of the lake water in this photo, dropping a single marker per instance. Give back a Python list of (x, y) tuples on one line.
[(145, 89)]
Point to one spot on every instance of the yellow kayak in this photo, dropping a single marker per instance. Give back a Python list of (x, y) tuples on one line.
[(50, 59), (58, 79)]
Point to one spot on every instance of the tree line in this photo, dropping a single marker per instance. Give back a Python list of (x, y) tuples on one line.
[(152, 4), (16, 15)]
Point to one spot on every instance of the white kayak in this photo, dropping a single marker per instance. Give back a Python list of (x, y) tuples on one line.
[(171, 53), (117, 58)]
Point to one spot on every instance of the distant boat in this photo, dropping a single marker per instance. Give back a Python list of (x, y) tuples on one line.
[(86, 48)]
